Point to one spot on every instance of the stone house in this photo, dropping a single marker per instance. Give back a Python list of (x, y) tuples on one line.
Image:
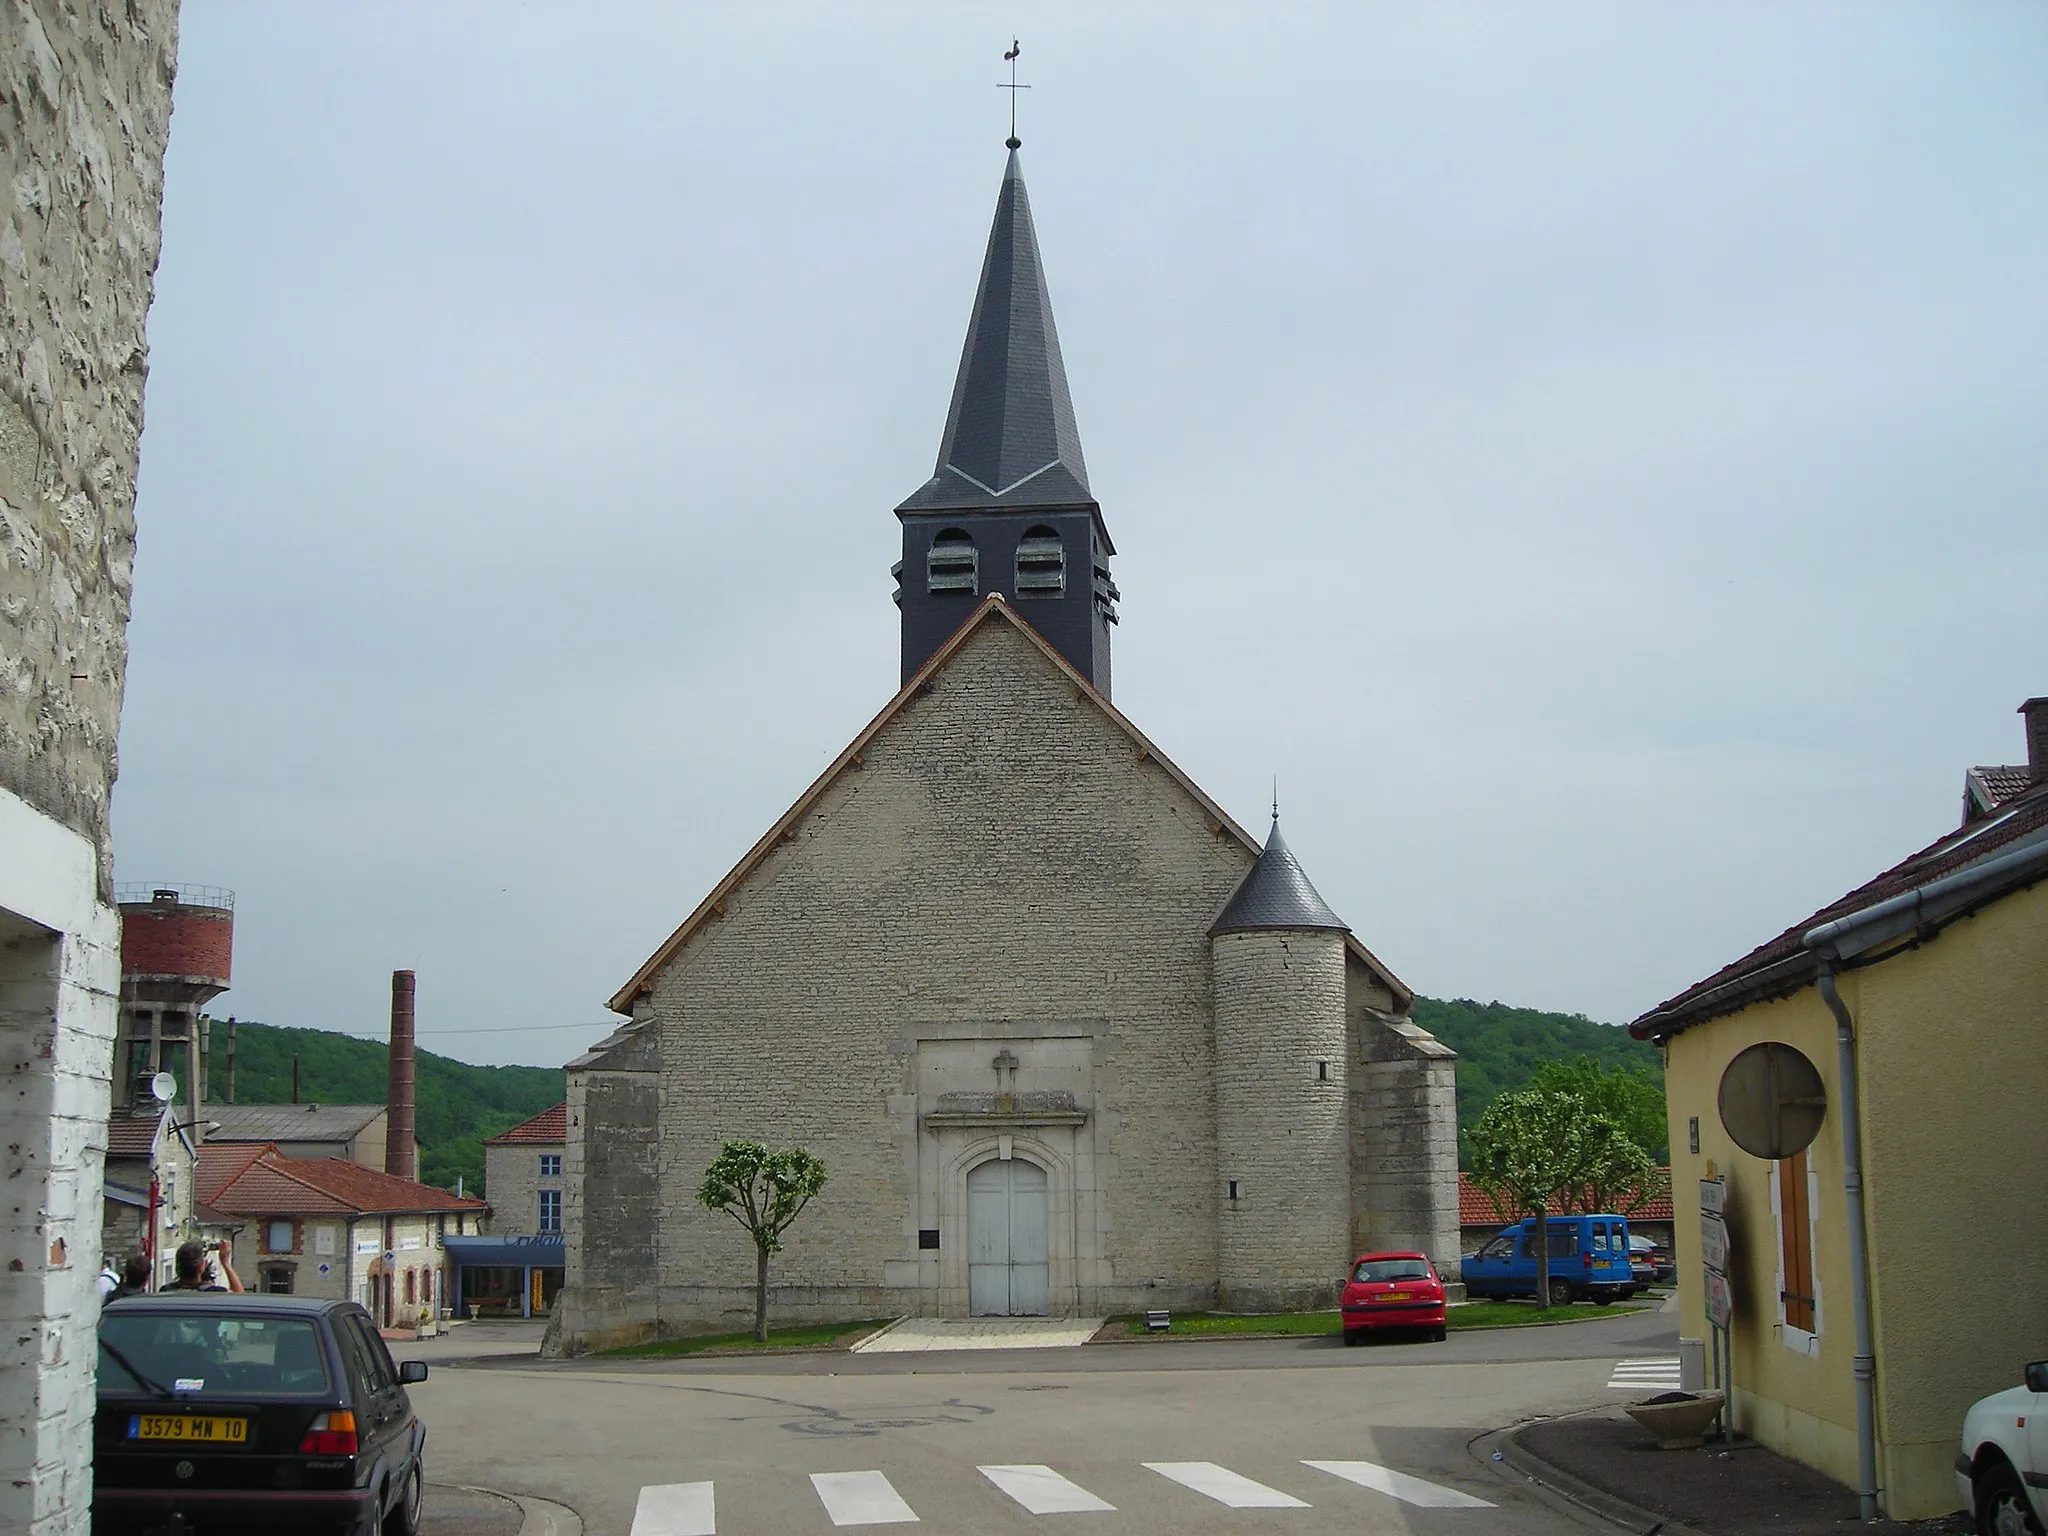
[(1069, 1039), (523, 1175), (86, 96), (1912, 1007), (331, 1228), (151, 1165)]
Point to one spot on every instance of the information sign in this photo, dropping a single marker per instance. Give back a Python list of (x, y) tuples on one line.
[(1714, 1241), (1720, 1303), (1713, 1196)]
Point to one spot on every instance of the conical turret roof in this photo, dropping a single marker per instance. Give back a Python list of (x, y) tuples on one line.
[(1010, 436), (1276, 894)]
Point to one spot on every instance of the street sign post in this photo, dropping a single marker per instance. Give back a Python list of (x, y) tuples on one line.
[(1720, 1299)]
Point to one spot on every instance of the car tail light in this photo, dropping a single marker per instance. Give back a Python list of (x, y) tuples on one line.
[(330, 1434), (1586, 1259)]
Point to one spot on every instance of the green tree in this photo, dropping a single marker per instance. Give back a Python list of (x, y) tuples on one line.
[(764, 1191), (1539, 1146), (1622, 1093)]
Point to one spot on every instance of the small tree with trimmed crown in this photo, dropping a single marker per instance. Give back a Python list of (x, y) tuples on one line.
[(764, 1191), (1540, 1145)]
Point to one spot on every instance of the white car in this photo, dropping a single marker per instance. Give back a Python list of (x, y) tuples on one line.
[(2002, 1472)]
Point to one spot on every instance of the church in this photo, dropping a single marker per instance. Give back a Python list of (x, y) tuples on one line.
[(1069, 1039)]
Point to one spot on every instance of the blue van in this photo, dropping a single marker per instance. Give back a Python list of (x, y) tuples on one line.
[(1588, 1260)]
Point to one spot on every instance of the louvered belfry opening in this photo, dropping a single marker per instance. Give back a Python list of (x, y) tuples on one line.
[(952, 564), (1041, 563)]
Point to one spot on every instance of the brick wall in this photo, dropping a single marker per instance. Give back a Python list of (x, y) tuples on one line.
[(176, 941)]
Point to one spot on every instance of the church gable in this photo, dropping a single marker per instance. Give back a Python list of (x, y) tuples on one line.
[(996, 768)]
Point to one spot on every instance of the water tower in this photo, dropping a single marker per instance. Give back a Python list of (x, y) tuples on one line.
[(176, 945)]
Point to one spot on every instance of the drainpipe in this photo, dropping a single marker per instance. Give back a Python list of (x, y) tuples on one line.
[(1859, 1268)]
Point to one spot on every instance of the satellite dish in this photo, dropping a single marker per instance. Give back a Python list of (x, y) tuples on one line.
[(163, 1087), (1772, 1101)]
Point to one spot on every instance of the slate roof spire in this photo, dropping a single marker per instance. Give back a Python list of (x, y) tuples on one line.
[(1276, 894), (1010, 437)]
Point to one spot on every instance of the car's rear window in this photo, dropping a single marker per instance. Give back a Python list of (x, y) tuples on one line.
[(211, 1355), (1390, 1269)]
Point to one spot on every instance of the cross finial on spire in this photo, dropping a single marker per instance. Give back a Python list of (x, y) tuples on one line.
[(1013, 88)]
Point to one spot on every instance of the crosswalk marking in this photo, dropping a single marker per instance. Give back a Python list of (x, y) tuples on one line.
[(861, 1498), (1409, 1490), (675, 1509), (1225, 1486), (1656, 1371), (1043, 1491)]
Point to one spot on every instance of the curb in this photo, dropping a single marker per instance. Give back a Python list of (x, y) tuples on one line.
[(1602, 1503), (540, 1517)]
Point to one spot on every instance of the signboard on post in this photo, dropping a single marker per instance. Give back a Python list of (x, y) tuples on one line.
[(1714, 1242), (1720, 1302)]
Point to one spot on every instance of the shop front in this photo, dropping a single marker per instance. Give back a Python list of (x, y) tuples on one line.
[(506, 1276)]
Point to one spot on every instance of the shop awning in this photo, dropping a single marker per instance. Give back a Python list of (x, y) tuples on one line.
[(512, 1252)]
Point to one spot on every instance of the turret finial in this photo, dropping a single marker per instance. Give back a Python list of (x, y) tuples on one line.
[(1276, 799), (1013, 142)]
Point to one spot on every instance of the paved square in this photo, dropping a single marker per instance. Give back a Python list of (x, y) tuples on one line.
[(916, 1333)]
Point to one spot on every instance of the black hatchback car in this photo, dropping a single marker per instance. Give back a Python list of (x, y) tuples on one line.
[(230, 1413)]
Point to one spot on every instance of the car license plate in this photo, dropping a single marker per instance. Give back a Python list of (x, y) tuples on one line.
[(187, 1428), (1395, 1296)]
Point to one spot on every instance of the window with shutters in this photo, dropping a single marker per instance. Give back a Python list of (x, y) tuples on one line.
[(1798, 1294)]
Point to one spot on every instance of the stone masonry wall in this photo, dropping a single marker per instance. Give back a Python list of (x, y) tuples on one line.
[(1283, 1121), (513, 1184), (85, 101), (1004, 854), (83, 128), (1405, 1150)]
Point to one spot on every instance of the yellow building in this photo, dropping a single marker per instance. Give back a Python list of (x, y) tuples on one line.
[(1938, 1022)]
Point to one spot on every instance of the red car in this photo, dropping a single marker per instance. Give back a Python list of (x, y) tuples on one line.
[(1392, 1290)]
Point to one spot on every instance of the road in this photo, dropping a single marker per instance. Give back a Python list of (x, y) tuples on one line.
[(1151, 1437)]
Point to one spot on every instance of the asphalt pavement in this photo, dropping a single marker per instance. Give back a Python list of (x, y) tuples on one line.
[(1198, 1436)]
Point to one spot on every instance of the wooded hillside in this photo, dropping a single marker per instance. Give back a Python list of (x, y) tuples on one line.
[(456, 1106), (1500, 1047)]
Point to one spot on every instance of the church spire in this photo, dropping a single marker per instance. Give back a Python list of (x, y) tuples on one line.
[(1008, 509), (1010, 437)]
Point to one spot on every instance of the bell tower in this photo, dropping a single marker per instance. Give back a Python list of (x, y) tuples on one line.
[(1008, 508)]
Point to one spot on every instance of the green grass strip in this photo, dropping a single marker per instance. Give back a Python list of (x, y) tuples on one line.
[(809, 1336)]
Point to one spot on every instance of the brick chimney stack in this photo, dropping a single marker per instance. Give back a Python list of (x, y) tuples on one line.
[(2036, 712), (401, 1150)]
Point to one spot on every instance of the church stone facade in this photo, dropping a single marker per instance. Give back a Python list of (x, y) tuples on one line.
[(1069, 1040)]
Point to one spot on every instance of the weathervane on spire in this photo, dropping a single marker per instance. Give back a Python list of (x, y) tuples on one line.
[(1013, 88)]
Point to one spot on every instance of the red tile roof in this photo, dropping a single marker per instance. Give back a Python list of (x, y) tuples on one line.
[(133, 1134), (261, 1181), (219, 1166), (1999, 783), (1782, 966), (548, 1128), (1476, 1208)]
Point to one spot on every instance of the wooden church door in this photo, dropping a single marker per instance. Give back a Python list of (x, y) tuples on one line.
[(1006, 1264)]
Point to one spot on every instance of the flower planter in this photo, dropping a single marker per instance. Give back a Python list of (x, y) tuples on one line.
[(1677, 1419)]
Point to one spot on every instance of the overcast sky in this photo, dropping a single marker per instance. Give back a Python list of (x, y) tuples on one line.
[(1593, 454)]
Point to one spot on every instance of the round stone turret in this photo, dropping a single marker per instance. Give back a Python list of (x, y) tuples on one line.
[(1283, 1106)]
